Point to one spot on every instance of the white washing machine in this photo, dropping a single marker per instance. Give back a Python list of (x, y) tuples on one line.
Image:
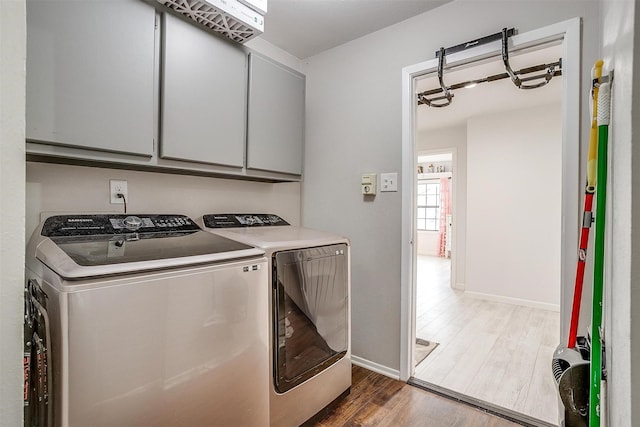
[(310, 311), (144, 320)]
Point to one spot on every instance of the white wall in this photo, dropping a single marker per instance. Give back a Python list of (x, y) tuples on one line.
[(353, 126), (63, 188), (428, 243), (514, 183), (620, 45), (12, 98), (456, 138)]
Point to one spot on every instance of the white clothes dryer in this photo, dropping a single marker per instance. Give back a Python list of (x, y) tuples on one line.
[(310, 276)]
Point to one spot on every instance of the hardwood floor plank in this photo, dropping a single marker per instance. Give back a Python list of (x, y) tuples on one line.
[(388, 397), (376, 400), (361, 395), (372, 414), (358, 375), (431, 410)]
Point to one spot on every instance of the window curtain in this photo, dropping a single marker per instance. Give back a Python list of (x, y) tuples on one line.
[(445, 209)]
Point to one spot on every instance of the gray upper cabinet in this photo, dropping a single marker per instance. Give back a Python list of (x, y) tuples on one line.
[(125, 83), (276, 117), (90, 75), (204, 81)]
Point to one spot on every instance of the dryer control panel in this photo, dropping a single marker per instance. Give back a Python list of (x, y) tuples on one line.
[(88, 225), (242, 220)]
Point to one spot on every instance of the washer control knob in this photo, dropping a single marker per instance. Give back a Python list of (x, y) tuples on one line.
[(132, 222), (250, 220)]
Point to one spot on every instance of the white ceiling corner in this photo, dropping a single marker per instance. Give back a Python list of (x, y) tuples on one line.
[(305, 28)]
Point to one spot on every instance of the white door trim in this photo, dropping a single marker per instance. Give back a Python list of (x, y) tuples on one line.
[(567, 31)]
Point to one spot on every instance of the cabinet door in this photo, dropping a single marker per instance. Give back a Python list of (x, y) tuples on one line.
[(90, 74), (276, 117), (203, 97)]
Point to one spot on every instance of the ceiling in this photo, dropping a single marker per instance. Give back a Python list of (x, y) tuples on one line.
[(307, 27), (492, 97)]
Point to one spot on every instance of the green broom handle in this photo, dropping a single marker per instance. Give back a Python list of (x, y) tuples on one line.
[(599, 255)]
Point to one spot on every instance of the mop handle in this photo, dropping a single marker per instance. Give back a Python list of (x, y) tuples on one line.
[(596, 74), (599, 255)]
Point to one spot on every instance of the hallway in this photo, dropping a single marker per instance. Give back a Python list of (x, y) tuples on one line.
[(496, 352)]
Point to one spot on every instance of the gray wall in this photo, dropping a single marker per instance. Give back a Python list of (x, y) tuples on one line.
[(63, 188), (12, 98), (621, 51), (354, 127), (634, 300)]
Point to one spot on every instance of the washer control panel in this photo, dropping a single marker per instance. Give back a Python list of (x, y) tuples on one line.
[(85, 225), (242, 220)]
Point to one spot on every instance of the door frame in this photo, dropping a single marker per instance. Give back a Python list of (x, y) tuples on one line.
[(568, 32)]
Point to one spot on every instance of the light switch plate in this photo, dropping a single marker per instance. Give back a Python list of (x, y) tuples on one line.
[(389, 181)]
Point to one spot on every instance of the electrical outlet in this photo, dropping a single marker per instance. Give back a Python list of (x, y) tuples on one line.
[(117, 187)]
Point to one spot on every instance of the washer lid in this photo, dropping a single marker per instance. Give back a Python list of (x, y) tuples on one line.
[(81, 246)]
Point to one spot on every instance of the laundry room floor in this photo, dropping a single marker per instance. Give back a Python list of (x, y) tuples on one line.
[(495, 352), (377, 400)]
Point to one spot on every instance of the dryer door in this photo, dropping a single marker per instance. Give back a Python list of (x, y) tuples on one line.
[(310, 304)]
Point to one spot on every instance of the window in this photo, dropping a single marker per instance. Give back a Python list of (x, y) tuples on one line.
[(429, 205)]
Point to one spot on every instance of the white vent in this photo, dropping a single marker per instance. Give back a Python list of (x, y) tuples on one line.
[(228, 17)]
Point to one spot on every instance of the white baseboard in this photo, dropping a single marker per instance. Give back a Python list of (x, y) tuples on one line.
[(514, 301), (458, 286), (375, 367)]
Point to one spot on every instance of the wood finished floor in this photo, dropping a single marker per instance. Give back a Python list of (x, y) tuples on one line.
[(377, 400), (499, 353)]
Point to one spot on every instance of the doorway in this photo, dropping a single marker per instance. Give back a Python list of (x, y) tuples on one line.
[(436, 200), (435, 248), (566, 171)]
